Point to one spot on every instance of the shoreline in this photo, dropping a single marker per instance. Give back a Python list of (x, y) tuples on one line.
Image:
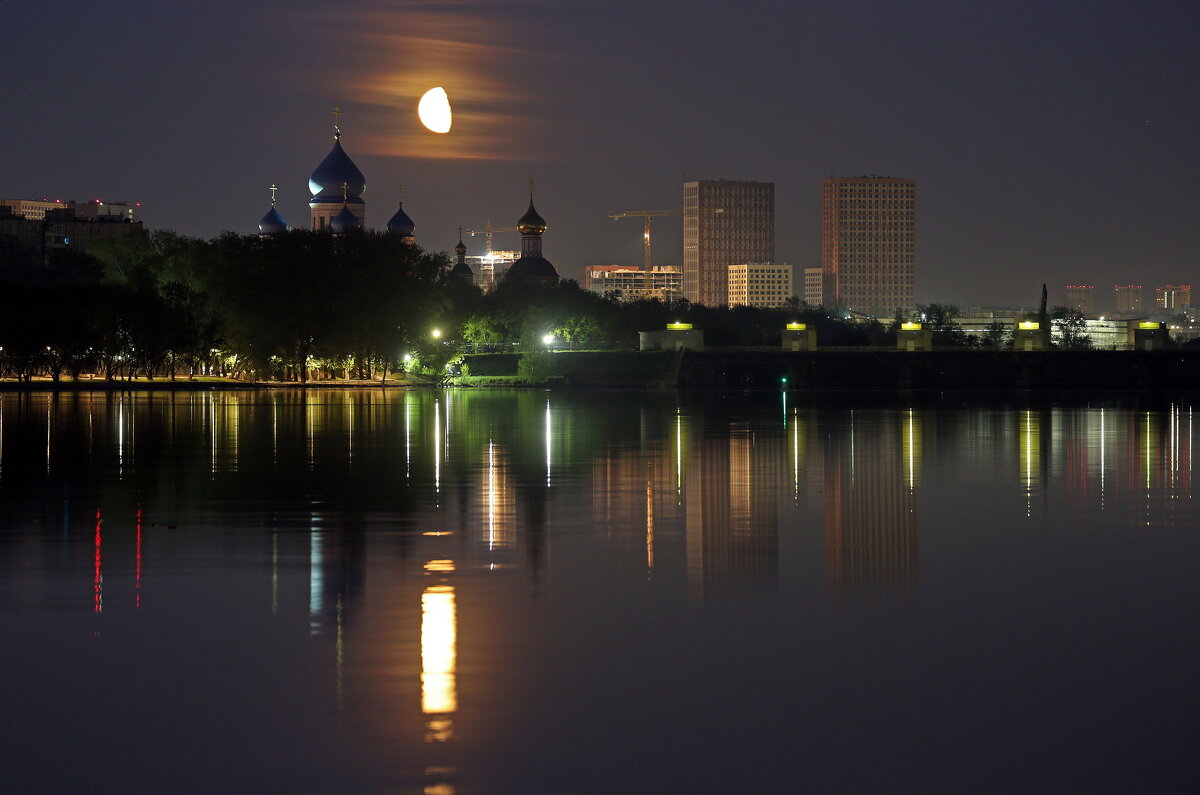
[(184, 385)]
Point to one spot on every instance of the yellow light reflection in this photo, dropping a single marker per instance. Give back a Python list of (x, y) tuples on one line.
[(439, 566), (649, 520), (439, 692), (912, 449), (1031, 457)]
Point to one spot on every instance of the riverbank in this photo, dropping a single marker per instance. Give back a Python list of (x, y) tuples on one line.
[(199, 383), (839, 370)]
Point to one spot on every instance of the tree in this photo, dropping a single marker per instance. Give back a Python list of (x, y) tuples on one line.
[(940, 319), (998, 335), (1072, 328)]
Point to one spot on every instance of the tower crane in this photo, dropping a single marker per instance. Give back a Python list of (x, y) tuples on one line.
[(488, 231), (646, 215)]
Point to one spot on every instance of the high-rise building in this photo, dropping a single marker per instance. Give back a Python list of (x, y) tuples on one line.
[(725, 223), (814, 286), (1128, 298), (868, 243), (761, 284), (1173, 296), (1079, 298)]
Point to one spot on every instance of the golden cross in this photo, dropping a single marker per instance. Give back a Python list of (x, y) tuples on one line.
[(274, 188), (531, 188), (345, 192), (400, 194), (337, 121)]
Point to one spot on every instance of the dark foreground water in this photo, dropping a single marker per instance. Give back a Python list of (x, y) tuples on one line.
[(529, 592)]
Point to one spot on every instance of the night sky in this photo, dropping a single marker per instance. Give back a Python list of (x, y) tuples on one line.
[(1050, 141)]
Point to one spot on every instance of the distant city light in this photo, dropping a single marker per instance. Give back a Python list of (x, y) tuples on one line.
[(679, 326), (1028, 325), (797, 327), (910, 326)]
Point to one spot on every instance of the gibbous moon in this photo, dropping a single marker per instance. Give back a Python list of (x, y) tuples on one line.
[(434, 110)]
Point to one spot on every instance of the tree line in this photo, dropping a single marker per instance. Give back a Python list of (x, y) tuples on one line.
[(312, 305)]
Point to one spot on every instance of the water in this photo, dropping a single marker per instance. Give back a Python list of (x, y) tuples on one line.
[(477, 592)]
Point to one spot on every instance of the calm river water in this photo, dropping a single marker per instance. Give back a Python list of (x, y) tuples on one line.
[(450, 592)]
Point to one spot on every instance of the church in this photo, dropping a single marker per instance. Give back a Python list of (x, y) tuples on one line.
[(337, 206)]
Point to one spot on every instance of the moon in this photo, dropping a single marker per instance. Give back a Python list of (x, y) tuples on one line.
[(434, 110)]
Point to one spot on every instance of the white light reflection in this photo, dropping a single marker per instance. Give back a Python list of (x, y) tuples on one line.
[(120, 436), (407, 438), (340, 647), (437, 445), (491, 496), (237, 421), (1103, 443), (446, 435), (316, 582), (310, 435), (274, 571), (548, 439), (212, 433), (678, 453)]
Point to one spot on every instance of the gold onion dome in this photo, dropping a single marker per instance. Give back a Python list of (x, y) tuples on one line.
[(531, 223)]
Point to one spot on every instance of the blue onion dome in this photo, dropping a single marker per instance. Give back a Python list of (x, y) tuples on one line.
[(337, 168), (531, 223), (344, 221), (401, 225), (462, 269), (272, 223)]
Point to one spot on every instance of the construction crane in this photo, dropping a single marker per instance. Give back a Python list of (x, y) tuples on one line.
[(646, 215), (489, 230)]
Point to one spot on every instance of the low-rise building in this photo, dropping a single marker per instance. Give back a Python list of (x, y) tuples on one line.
[(631, 283), (62, 228), (760, 284)]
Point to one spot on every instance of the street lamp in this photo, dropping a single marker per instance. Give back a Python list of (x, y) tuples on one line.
[(548, 339), (436, 333)]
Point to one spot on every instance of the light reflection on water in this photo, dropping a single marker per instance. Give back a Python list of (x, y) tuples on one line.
[(528, 591)]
